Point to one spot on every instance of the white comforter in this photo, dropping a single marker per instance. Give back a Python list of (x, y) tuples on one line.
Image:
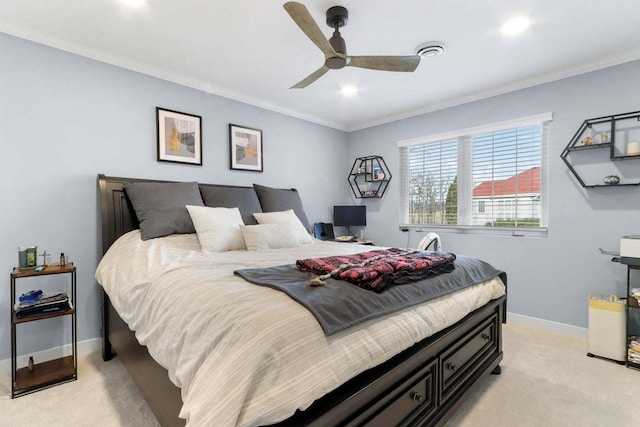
[(243, 354)]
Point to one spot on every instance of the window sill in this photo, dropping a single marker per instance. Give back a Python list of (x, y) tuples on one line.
[(486, 231)]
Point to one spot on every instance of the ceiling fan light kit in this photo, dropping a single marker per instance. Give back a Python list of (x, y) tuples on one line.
[(335, 49)]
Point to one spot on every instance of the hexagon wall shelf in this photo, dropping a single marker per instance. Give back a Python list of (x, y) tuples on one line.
[(619, 135), (369, 177)]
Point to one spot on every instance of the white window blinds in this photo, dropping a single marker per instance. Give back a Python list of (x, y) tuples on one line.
[(432, 172), (488, 176)]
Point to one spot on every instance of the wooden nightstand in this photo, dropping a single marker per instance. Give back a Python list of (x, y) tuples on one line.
[(52, 372)]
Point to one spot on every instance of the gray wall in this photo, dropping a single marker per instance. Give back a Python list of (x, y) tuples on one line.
[(65, 118), (549, 278)]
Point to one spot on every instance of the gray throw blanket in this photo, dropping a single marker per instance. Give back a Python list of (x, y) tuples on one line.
[(338, 305)]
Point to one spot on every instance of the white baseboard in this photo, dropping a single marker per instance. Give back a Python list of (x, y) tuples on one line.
[(84, 347), (548, 325)]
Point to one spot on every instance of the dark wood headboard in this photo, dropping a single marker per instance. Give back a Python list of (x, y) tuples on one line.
[(116, 211)]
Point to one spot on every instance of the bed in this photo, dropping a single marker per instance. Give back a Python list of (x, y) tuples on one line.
[(415, 374)]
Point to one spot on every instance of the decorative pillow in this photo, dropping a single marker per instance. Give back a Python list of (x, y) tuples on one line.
[(226, 196), (286, 217), (160, 206), (268, 236), (218, 229), (277, 200)]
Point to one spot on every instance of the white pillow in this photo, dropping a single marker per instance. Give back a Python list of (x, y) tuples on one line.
[(268, 236), (286, 217), (218, 229)]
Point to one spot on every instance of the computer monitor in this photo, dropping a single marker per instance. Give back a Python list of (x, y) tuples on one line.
[(348, 216)]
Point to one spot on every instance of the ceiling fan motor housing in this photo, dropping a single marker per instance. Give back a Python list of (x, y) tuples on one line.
[(336, 62), (337, 16)]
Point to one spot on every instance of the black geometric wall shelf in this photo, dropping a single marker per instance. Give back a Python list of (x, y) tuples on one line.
[(369, 177), (598, 143)]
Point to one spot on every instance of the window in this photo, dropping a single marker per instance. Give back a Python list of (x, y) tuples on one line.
[(432, 172), (487, 177)]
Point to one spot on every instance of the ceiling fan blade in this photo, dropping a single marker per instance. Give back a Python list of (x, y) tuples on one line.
[(386, 63), (311, 78), (302, 17)]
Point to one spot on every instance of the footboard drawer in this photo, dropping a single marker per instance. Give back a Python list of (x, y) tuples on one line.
[(416, 397), (468, 356)]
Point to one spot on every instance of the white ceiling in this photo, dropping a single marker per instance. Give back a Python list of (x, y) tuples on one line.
[(251, 50)]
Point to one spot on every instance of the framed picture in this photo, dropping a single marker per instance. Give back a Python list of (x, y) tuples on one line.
[(179, 137), (245, 148)]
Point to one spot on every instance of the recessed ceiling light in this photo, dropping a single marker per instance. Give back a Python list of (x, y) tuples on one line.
[(348, 90), (515, 26)]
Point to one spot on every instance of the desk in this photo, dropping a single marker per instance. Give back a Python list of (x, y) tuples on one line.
[(358, 241), (365, 242)]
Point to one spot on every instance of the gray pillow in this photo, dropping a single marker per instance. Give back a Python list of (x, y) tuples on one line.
[(276, 200), (227, 196), (161, 206)]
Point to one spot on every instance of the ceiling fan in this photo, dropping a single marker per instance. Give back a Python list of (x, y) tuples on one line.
[(335, 49)]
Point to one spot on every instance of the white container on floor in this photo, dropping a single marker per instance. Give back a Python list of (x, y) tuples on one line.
[(607, 328)]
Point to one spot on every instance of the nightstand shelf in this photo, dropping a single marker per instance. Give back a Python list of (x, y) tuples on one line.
[(18, 320), (45, 374), (42, 375)]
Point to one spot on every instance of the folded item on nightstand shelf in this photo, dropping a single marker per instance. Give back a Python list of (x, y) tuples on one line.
[(44, 303)]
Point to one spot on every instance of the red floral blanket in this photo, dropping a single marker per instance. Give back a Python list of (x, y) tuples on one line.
[(377, 270)]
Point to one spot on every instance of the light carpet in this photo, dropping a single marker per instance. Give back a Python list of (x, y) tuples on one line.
[(547, 380), (103, 395)]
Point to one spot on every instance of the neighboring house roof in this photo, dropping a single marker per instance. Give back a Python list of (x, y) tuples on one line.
[(525, 182)]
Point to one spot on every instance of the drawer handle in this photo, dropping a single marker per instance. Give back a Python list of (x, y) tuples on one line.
[(450, 366), (417, 397), (486, 337)]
